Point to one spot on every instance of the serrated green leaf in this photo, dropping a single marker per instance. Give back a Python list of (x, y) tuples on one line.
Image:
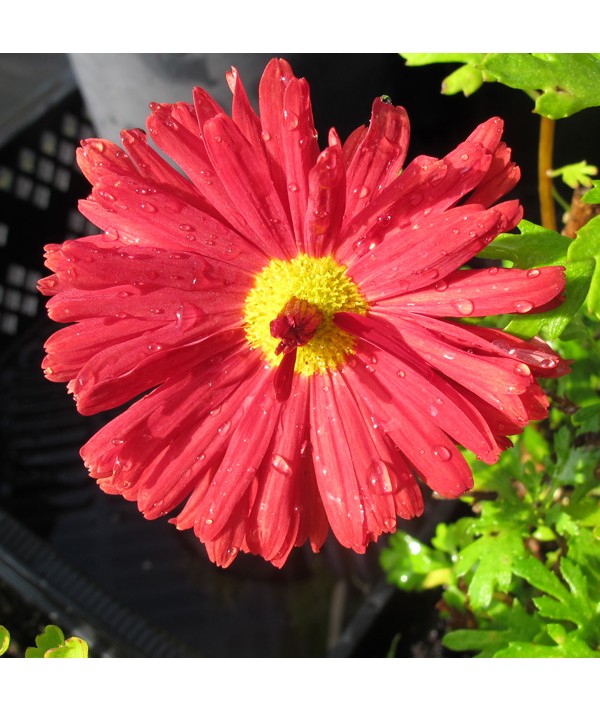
[(568, 82), (492, 558), (507, 624), (586, 247), (575, 174), (537, 575), (466, 79), (559, 84), (4, 639)]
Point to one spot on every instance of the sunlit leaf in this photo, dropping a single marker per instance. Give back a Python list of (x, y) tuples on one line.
[(4, 639), (51, 643)]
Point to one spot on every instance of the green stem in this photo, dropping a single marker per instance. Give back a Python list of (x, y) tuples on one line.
[(546, 147)]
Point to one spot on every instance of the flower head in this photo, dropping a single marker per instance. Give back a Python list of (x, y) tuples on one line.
[(294, 318)]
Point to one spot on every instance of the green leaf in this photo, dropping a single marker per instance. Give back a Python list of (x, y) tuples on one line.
[(466, 79), (51, 643), (586, 246), (566, 83), (559, 84), (4, 639), (592, 197), (507, 624), (576, 175), (492, 557), (535, 246), (73, 648)]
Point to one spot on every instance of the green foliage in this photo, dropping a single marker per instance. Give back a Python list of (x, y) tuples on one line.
[(560, 84), (52, 644), (576, 174), (536, 246), (522, 577), (4, 639)]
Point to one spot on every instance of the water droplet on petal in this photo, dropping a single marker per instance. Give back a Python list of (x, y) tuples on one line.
[(148, 207), (378, 478), (464, 306), (292, 187), (281, 464), (464, 156), (290, 120), (441, 285), (522, 307), (533, 273), (266, 136), (442, 453), (186, 228), (522, 369), (401, 374), (224, 428), (493, 270)]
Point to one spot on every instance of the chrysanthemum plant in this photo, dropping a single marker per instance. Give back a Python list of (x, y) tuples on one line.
[(305, 338), (521, 575)]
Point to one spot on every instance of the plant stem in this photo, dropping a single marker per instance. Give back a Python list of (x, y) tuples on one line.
[(546, 147)]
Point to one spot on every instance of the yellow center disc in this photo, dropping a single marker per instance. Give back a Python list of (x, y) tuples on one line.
[(321, 282)]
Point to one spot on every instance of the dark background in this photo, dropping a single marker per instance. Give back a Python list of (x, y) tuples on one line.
[(72, 555)]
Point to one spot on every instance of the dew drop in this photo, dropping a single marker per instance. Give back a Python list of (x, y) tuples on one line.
[(224, 428), (292, 187), (533, 273), (464, 156), (522, 369), (266, 136), (493, 270), (116, 441), (154, 347), (442, 453), (441, 285), (186, 228), (218, 139), (522, 307), (401, 374), (464, 306), (305, 448), (378, 478), (290, 120), (209, 522), (363, 192), (106, 195), (148, 207), (281, 465)]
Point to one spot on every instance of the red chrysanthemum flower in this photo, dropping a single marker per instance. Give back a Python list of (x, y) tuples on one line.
[(293, 318)]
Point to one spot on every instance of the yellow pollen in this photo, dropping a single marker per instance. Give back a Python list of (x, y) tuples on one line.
[(321, 282)]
